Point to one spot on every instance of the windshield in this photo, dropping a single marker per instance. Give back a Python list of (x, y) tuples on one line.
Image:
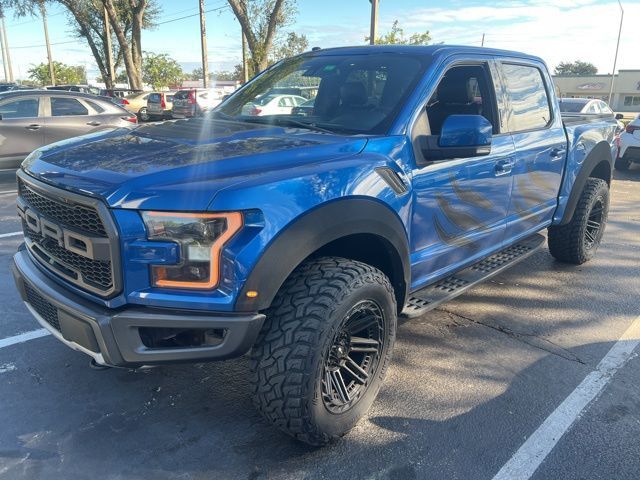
[(348, 93)]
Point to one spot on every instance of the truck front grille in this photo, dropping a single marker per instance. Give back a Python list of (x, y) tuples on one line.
[(46, 310), (70, 235)]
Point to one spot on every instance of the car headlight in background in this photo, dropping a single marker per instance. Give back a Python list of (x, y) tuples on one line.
[(201, 237)]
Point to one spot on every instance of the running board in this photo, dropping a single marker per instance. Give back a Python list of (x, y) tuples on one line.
[(430, 297)]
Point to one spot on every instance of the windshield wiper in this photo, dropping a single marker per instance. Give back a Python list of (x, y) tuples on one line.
[(288, 121)]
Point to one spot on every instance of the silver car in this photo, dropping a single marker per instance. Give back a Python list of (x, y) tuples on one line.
[(32, 118)]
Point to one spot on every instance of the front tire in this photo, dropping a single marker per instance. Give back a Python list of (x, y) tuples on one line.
[(577, 241), (321, 356)]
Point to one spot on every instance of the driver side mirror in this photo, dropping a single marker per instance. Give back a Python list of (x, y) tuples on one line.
[(619, 116), (461, 136)]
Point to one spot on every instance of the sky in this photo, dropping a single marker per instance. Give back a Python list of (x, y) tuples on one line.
[(556, 30)]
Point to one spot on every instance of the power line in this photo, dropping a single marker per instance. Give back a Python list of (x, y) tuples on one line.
[(44, 45), (194, 15)]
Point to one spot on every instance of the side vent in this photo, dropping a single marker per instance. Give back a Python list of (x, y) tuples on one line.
[(392, 179)]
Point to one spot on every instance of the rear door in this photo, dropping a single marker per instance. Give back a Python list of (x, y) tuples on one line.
[(69, 117), (21, 128), (541, 147)]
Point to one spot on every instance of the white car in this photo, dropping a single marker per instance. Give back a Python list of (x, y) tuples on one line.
[(273, 104), (629, 151)]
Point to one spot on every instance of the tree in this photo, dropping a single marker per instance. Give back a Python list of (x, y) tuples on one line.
[(575, 68), (160, 71), (69, 74), (396, 36), (260, 21), (292, 44), (138, 11)]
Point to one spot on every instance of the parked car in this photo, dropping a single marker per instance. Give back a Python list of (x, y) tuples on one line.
[(30, 119), (118, 92), (75, 88), (136, 103), (194, 102), (272, 105), (304, 109), (160, 105), (303, 239), (5, 87), (629, 151), (584, 105)]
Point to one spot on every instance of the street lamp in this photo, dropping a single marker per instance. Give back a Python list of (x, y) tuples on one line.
[(615, 59)]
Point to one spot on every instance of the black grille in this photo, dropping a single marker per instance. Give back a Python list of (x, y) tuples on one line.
[(71, 215), (94, 272), (45, 309)]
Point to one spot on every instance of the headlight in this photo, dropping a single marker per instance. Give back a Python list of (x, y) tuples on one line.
[(201, 237)]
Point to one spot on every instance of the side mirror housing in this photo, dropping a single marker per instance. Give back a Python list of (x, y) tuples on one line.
[(619, 116), (461, 136)]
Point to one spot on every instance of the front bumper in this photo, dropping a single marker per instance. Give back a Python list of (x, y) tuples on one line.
[(112, 336)]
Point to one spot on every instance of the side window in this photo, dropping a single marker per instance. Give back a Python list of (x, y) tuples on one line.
[(592, 108), (63, 107), (98, 108), (20, 108), (282, 102), (604, 108), (463, 90), (529, 100)]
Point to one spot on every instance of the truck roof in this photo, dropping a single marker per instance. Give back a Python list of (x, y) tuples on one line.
[(431, 50)]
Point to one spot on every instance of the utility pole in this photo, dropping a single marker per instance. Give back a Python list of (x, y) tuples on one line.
[(374, 22), (4, 64), (482, 44), (203, 41), (107, 35), (52, 72), (245, 66), (615, 59), (7, 56)]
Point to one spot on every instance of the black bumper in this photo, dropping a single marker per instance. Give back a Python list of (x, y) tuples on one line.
[(112, 336)]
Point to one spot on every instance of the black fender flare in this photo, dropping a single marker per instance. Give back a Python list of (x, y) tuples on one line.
[(315, 229), (600, 153)]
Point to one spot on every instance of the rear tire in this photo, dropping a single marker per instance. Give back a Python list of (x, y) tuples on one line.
[(622, 164), (577, 241), (143, 115), (331, 317)]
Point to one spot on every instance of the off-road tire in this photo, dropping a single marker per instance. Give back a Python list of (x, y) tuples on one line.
[(570, 243), (622, 164), (288, 358)]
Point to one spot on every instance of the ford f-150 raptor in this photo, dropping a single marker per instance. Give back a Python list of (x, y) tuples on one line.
[(415, 173)]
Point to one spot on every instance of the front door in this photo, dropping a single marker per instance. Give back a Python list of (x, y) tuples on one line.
[(21, 129), (460, 204)]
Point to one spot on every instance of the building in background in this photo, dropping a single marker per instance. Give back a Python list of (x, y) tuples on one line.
[(626, 88)]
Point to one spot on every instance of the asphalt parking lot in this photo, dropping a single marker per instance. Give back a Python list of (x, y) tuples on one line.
[(470, 383)]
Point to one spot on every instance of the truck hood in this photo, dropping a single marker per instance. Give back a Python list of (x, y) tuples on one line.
[(179, 165)]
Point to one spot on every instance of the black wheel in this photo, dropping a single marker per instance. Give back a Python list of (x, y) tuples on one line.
[(577, 241), (143, 115), (321, 356), (622, 164)]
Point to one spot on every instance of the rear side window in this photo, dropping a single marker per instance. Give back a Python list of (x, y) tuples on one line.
[(97, 107), (64, 107), (22, 108), (529, 100)]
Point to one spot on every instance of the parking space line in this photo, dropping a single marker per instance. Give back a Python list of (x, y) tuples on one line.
[(532, 453), (23, 337), (12, 234), (7, 192)]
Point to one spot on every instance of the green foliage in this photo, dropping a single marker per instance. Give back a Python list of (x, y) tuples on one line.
[(575, 68), (396, 36), (160, 70), (288, 46), (65, 74)]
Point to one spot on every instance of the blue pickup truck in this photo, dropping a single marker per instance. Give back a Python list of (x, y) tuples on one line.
[(412, 174)]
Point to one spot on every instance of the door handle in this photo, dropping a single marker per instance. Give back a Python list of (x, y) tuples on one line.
[(94, 123), (33, 126), (503, 167), (557, 154)]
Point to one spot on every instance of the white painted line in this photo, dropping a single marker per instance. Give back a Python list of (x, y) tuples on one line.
[(23, 337), (532, 453), (7, 192), (12, 234)]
